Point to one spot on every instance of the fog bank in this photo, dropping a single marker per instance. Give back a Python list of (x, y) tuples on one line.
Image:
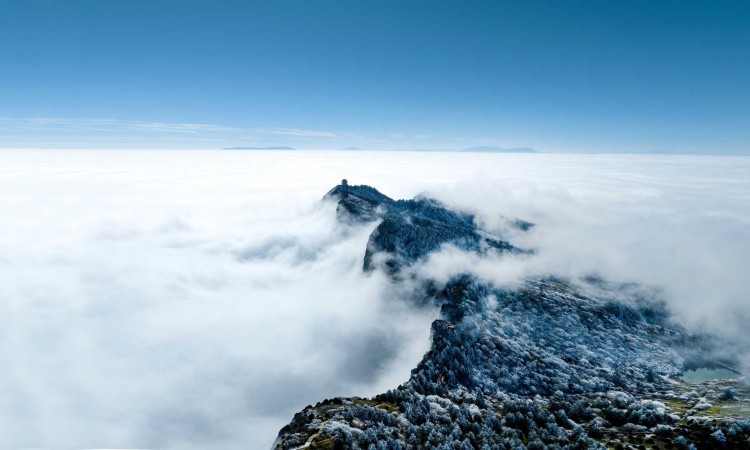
[(198, 299)]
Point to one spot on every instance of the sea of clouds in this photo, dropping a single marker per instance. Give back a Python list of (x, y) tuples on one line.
[(193, 299)]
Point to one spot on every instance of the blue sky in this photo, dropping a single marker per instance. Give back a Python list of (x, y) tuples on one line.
[(579, 76)]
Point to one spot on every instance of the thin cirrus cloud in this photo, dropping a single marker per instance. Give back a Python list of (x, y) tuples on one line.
[(114, 133), (61, 132)]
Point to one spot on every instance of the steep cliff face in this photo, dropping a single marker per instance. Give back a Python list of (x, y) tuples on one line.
[(553, 363)]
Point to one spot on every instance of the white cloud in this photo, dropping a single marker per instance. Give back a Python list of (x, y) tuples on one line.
[(676, 223), (198, 299), (162, 300)]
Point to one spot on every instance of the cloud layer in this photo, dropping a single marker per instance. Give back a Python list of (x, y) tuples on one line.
[(198, 299), (678, 224)]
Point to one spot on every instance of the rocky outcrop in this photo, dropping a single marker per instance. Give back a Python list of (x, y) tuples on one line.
[(411, 229)]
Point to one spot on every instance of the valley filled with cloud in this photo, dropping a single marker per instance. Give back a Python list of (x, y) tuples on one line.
[(192, 299)]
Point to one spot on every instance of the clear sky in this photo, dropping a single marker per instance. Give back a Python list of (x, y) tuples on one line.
[(589, 76)]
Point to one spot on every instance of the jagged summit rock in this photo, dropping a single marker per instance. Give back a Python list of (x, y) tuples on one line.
[(411, 229), (552, 363), (359, 203)]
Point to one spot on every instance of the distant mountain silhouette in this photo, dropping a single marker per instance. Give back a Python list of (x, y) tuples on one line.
[(258, 148), (496, 149)]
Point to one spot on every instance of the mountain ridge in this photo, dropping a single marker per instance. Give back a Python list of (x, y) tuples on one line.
[(552, 363)]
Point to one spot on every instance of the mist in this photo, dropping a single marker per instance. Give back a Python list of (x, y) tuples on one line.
[(678, 225), (191, 299)]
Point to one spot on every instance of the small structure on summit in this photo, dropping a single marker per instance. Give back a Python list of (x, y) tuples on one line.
[(344, 182)]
